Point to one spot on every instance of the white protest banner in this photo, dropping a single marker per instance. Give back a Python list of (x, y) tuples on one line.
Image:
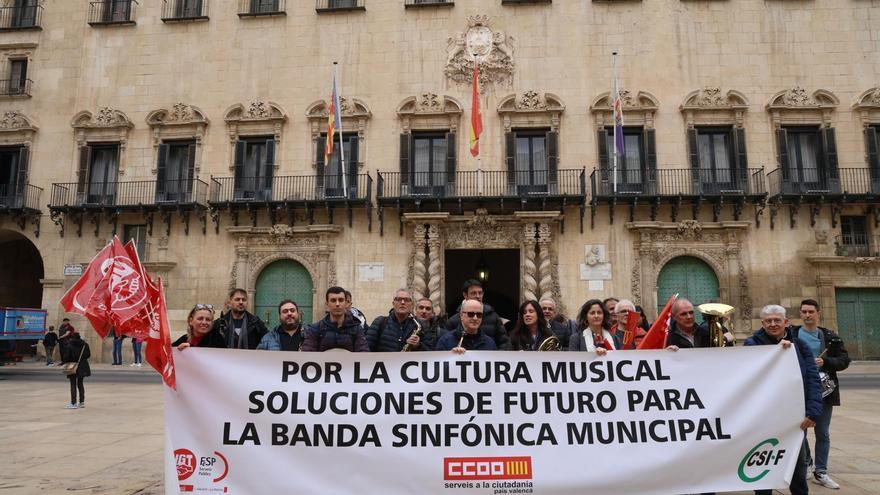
[(646, 422)]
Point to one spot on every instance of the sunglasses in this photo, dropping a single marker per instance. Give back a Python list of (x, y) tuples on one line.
[(474, 314), (209, 307)]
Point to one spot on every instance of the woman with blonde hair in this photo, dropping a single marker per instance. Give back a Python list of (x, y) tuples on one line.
[(201, 331)]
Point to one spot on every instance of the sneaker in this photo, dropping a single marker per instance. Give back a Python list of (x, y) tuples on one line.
[(140, 365), (132, 365), (71, 406), (825, 480), (810, 470), (82, 405)]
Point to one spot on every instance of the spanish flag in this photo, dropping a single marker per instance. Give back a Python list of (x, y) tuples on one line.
[(476, 116)]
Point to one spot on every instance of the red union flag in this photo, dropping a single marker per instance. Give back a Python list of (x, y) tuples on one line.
[(656, 337), (158, 352), (77, 298)]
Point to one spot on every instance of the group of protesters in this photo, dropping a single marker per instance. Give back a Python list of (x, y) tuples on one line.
[(413, 324)]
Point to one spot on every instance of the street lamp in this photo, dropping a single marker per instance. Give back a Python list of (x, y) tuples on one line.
[(482, 269)]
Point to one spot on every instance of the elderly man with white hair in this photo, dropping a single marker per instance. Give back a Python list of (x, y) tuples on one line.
[(626, 309), (775, 331)]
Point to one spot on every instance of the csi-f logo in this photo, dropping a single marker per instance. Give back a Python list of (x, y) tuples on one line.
[(186, 463), (487, 468), (757, 463)]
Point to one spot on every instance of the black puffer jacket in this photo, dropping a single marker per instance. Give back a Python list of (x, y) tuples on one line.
[(215, 338), (386, 334), (255, 329), (324, 335), (476, 342), (491, 326), (836, 359)]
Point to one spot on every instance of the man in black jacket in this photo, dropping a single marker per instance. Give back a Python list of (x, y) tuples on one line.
[(830, 356), (491, 326), (243, 330), (561, 326), (684, 333), (469, 336), (436, 323), (49, 341), (392, 332)]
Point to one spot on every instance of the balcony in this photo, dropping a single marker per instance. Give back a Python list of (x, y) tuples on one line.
[(323, 6), (261, 8), (847, 183), (184, 10), (112, 13), (414, 4), (128, 195), (22, 17), (16, 88), (677, 183), (26, 199), (417, 187), (857, 245)]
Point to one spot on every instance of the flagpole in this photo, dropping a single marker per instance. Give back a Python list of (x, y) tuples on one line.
[(615, 94), (479, 154), (341, 135)]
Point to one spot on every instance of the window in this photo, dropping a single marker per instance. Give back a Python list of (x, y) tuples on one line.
[(264, 6), (808, 159), (330, 175), (428, 170), (137, 234), (13, 175), (635, 170), (531, 160), (872, 151), (17, 83), (24, 13), (99, 167), (717, 159), (116, 10), (175, 171), (854, 236), (254, 167)]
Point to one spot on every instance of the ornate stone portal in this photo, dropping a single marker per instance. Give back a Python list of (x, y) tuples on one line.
[(530, 232), (719, 244), (312, 246)]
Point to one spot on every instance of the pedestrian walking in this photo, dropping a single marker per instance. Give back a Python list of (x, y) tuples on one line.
[(77, 352), (49, 342)]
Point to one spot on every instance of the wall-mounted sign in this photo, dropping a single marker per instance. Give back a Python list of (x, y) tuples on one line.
[(73, 270)]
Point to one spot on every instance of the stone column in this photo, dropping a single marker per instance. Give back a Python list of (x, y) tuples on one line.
[(545, 264), (434, 266), (419, 285), (530, 284)]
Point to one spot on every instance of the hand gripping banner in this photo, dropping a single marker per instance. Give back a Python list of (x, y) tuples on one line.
[(647, 422)]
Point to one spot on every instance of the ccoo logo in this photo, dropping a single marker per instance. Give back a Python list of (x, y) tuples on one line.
[(487, 468), (758, 461)]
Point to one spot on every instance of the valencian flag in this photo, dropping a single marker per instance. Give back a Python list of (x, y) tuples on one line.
[(334, 121), (476, 116), (116, 294), (656, 336)]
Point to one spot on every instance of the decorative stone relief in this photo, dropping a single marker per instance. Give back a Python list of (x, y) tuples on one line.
[(530, 270), (434, 266), (429, 111), (482, 231), (711, 106), (545, 284), (531, 109), (13, 120), (639, 108), (493, 50), (796, 106), (419, 282)]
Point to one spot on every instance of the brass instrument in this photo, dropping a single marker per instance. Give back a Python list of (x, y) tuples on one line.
[(551, 343), (417, 332), (714, 312)]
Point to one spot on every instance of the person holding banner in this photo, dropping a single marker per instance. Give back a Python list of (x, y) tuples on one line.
[(531, 328), (338, 329), (288, 335), (594, 335), (201, 330), (425, 311), (625, 309), (390, 333), (775, 331), (491, 326), (469, 336)]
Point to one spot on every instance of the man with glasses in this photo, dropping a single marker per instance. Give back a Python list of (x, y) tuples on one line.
[(469, 336), (491, 322), (392, 332), (775, 332), (243, 330), (624, 309)]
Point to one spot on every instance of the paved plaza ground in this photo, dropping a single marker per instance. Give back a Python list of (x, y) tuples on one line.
[(114, 445)]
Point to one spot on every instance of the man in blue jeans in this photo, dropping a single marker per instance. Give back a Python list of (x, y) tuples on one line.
[(775, 331), (117, 348), (830, 356)]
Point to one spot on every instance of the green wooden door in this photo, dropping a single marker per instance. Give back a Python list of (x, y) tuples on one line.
[(690, 277), (283, 279), (858, 321)]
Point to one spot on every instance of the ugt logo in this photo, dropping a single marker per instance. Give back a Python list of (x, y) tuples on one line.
[(757, 463), (186, 463), (487, 468), (126, 286)]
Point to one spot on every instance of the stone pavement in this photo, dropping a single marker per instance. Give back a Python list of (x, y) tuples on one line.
[(114, 445)]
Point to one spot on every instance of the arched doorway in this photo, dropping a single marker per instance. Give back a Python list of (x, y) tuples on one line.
[(690, 277), (21, 268), (283, 279)]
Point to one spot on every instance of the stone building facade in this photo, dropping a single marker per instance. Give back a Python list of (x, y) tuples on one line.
[(197, 127)]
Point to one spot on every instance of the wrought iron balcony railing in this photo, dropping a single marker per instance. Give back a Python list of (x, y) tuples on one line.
[(129, 194), (857, 245), (339, 5), (257, 8), (290, 189), (112, 12), (815, 182), (184, 10), (481, 184), (410, 4), (26, 198), (678, 182), (21, 17), (15, 87)]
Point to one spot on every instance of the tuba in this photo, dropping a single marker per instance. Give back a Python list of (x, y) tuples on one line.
[(551, 343), (417, 332), (714, 312)]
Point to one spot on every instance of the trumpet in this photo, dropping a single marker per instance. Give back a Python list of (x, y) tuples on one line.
[(714, 312), (417, 333)]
